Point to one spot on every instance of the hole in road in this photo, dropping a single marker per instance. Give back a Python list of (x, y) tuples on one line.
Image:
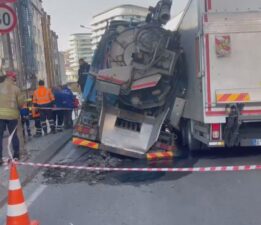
[(138, 177)]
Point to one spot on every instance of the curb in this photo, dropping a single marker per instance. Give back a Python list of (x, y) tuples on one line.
[(44, 157)]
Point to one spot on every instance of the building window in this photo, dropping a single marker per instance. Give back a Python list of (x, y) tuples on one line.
[(34, 30), (36, 48)]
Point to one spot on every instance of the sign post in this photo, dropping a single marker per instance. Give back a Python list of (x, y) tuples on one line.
[(8, 18)]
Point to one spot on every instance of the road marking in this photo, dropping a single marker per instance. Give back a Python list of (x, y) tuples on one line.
[(35, 195), (41, 189), (71, 153)]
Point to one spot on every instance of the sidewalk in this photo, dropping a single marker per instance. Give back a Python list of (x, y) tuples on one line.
[(39, 150)]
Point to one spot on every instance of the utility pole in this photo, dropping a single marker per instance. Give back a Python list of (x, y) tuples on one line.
[(10, 52)]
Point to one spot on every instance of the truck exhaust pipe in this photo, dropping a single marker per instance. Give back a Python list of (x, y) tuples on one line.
[(164, 15), (160, 13)]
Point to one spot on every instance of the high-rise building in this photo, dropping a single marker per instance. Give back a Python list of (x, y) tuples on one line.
[(37, 13), (80, 48), (26, 42), (51, 52), (31, 49), (70, 74), (62, 68), (14, 56), (46, 24), (56, 59), (123, 12)]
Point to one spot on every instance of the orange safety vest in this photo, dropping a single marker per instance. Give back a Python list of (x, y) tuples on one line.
[(42, 96)]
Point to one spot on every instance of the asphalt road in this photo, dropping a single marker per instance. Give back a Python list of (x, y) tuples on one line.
[(63, 197)]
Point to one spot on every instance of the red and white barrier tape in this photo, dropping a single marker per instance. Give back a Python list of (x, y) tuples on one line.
[(54, 108), (170, 170)]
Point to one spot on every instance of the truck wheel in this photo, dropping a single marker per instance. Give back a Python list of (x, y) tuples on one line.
[(183, 133), (193, 144)]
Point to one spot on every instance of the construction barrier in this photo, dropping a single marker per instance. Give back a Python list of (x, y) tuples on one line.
[(169, 170), (17, 212), (54, 108)]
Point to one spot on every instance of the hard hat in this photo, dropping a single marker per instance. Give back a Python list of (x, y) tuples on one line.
[(11, 74)]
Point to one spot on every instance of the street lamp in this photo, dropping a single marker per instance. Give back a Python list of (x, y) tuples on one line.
[(86, 27)]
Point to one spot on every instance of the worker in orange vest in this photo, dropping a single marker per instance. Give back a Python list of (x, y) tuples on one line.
[(37, 122), (43, 99)]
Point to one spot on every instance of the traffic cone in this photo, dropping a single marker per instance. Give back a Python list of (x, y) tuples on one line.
[(17, 213)]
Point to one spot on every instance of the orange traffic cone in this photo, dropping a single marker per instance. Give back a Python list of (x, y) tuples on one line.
[(17, 213)]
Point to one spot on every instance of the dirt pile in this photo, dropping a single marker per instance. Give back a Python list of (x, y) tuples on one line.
[(90, 159)]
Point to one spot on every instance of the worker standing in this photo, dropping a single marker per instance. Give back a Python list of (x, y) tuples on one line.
[(22, 147), (68, 104), (43, 99), (37, 122), (76, 105), (83, 71), (58, 112), (25, 118), (11, 100)]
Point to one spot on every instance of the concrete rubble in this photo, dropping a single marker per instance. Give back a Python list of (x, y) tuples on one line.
[(89, 159)]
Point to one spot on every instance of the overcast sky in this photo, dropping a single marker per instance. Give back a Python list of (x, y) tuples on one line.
[(68, 15)]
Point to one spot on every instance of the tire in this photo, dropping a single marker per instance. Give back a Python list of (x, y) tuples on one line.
[(192, 143), (183, 133)]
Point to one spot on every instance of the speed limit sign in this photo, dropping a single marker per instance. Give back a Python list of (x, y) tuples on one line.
[(8, 19)]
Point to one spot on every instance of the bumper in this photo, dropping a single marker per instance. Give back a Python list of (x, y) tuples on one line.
[(216, 144), (250, 142), (96, 146), (149, 156), (247, 142), (85, 143)]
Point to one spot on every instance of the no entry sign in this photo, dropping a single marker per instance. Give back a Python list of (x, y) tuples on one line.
[(8, 19), (7, 1)]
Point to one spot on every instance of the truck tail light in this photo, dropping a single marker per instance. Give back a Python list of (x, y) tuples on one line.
[(78, 128), (86, 130), (216, 131)]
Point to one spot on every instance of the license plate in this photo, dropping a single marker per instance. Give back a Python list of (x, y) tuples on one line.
[(257, 142)]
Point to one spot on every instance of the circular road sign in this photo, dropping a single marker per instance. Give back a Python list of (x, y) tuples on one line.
[(8, 19)]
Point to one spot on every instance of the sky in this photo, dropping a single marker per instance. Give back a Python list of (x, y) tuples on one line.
[(68, 15)]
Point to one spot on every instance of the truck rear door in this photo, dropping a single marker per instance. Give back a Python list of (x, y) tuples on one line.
[(233, 61)]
